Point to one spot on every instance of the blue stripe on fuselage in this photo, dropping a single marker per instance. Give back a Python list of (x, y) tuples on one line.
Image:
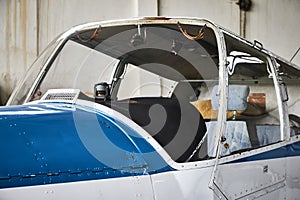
[(58, 143), (290, 150)]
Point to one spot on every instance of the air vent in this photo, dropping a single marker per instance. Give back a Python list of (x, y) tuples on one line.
[(61, 95)]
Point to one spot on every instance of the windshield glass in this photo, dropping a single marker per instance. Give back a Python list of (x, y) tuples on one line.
[(143, 60), (77, 66), (21, 91)]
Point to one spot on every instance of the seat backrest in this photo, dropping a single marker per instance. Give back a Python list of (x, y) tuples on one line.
[(176, 125), (268, 134), (236, 133), (237, 97)]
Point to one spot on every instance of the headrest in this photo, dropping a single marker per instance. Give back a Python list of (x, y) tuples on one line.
[(237, 97)]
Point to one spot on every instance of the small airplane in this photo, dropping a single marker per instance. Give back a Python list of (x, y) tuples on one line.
[(153, 108)]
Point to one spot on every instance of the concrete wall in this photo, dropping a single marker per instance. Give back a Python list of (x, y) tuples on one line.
[(29, 25), (17, 42)]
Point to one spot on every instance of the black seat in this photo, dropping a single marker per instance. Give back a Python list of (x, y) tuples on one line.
[(175, 124)]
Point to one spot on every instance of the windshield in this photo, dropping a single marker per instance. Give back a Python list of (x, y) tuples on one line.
[(79, 67), (22, 90), (143, 60)]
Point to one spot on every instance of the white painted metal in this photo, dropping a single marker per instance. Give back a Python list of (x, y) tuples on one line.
[(250, 178), (187, 184), (192, 184), (293, 179), (135, 187)]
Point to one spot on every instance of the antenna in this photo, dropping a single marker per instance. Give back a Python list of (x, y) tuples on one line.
[(295, 54)]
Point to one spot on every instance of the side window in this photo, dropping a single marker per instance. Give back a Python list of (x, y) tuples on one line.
[(290, 92), (252, 115)]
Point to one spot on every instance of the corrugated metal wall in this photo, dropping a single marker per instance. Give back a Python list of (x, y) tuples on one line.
[(29, 25)]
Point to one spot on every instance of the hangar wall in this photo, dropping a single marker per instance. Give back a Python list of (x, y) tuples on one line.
[(29, 25)]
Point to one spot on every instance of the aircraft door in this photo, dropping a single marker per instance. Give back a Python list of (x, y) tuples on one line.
[(251, 180), (252, 163)]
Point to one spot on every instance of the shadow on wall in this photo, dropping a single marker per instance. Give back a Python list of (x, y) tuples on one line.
[(4, 95), (1, 104)]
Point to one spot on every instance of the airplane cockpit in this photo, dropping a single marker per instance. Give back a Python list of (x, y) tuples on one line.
[(168, 79), (162, 108)]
